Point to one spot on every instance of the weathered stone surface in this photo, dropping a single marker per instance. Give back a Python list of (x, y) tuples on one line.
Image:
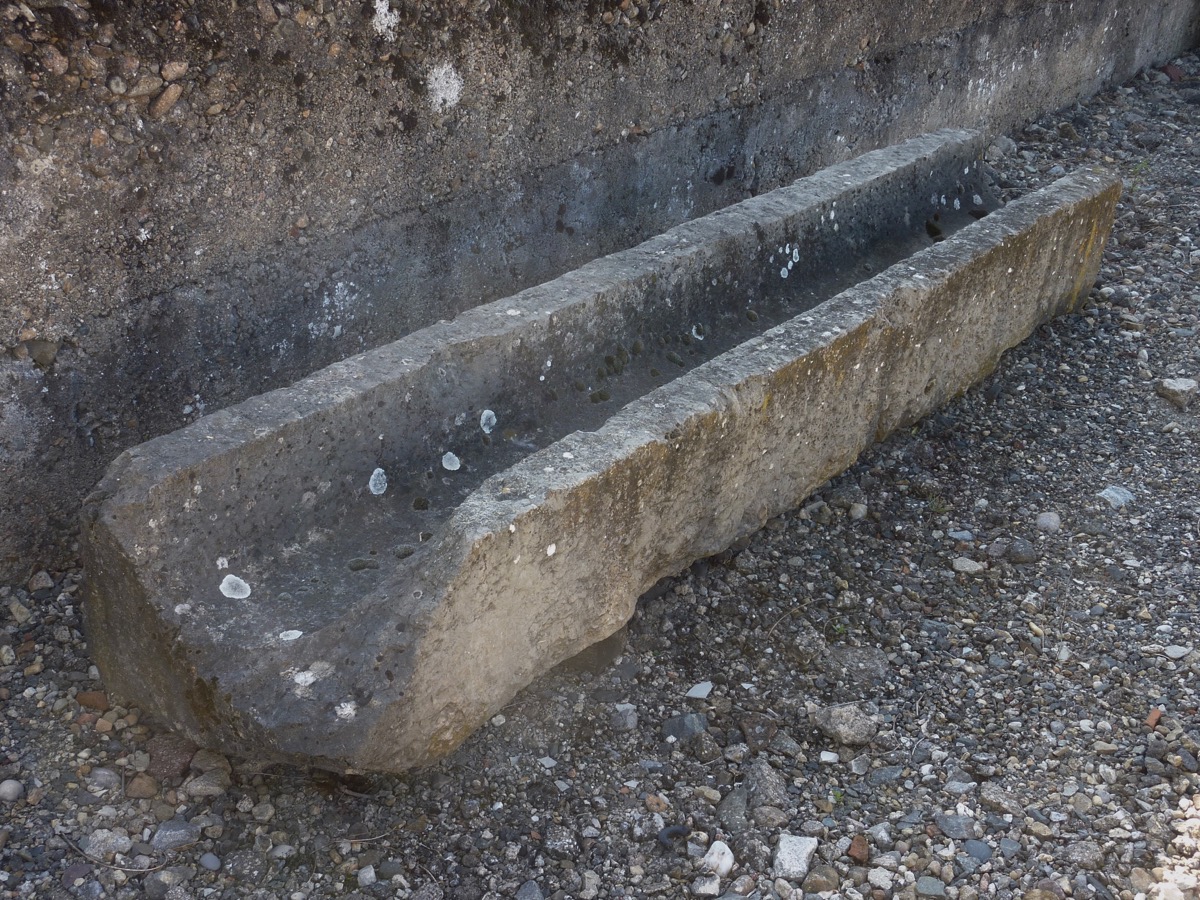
[(221, 597)]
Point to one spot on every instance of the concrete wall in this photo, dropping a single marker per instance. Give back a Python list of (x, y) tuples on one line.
[(203, 200)]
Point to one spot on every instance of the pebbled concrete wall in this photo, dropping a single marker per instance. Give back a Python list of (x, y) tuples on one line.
[(203, 200)]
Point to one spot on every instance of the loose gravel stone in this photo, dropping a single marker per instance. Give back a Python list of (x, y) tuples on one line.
[(792, 856), (11, 790), (847, 724)]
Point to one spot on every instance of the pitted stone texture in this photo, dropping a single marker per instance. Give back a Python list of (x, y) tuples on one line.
[(394, 666), (847, 724)]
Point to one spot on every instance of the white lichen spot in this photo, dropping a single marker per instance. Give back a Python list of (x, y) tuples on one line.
[(182, 609), (445, 87), (291, 635), (306, 678), (222, 562), (783, 273), (957, 203), (977, 200), (197, 489), (347, 710), (552, 549), (796, 255), (487, 421), (513, 312), (377, 483), (385, 21), (234, 588), (450, 462), (568, 455), (697, 333)]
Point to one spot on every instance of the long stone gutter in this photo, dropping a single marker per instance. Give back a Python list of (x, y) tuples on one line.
[(359, 570)]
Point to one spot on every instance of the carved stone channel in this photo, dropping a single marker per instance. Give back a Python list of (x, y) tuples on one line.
[(359, 570)]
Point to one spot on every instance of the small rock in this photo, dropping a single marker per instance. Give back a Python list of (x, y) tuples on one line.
[(968, 566), (977, 849), (1022, 551), (212, 783), (1085, 855), (700, 691), (104, 843), (144, 86), (880, 878), (263, 812), (366, 876), (686, 726), (706, 886), (11, 790), (1116, 496), (885, 775), (928, 886), (166, 100), (859, 850), (821, 878), (995, 798), (170, 755), (53, 60), (97, 700), (624, 717), (41, 581), (1178, 391), (560, 842), (530, 891), (718, 859), (793, 855), (1049, 522), (957, 827), (210, 861), (174, 70), (858, 511), (175, 833), (141, 787), (846, 724), (1174, 651), (765, 785)]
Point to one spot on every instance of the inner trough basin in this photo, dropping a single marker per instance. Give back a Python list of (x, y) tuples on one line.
[(366, 490), (359, 569)]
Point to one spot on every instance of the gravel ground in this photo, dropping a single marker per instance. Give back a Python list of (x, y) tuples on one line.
[(967, 668)]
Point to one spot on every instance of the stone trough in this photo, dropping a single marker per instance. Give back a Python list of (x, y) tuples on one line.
[(357, 571)]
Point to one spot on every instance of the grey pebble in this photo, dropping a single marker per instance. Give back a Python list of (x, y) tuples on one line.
[(624, 717), (955, 826), (11, 790), (174, 833), (1049, 522), (928, 886), (686, 726), (210, 861)]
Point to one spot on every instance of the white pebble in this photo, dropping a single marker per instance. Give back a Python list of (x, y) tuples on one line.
[(700, 691), (234, 588), (290, 635), (1049, 522), (11, 790), (968, 566), (378, 482), (487, 421)]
